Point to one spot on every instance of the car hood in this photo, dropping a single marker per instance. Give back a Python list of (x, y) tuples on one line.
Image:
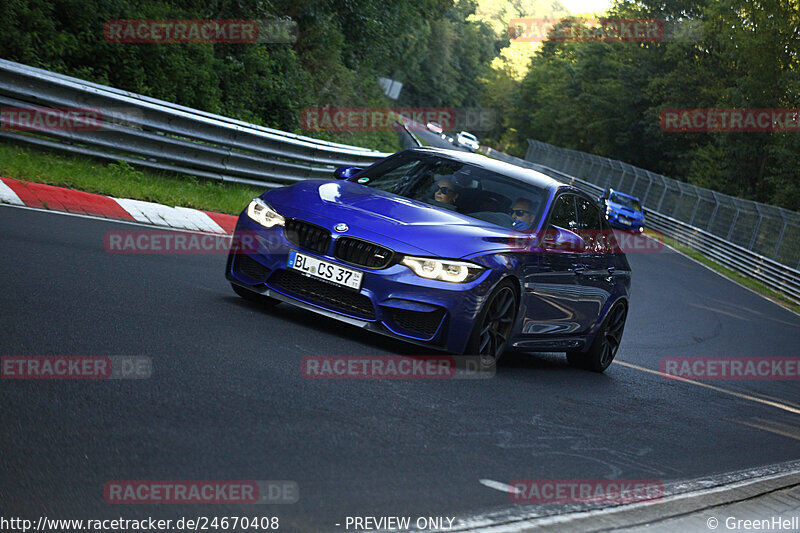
[(627, 211), (405, 225)]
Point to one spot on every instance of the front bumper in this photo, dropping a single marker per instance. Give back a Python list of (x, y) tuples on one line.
[(392, 301), (623, 222)]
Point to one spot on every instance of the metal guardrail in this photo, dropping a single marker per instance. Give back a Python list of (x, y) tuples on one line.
[(767, 230), (776, 276), (152, 133), (156, 134)]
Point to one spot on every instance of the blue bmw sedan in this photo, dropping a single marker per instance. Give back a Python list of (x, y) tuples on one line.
[(449, 250)]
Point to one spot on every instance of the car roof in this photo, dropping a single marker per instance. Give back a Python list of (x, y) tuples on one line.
[(523, 174)]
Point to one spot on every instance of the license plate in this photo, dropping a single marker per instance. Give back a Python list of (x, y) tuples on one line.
[(625, 221), (317, 268)]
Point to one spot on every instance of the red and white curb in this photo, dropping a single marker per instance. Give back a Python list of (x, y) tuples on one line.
[(38, 195)]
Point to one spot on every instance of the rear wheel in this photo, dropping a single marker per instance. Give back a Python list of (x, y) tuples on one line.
[(605, 345), (251, 296), (490, 334)]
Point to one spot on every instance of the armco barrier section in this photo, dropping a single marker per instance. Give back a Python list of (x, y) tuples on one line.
[(156, 134), (778, 277), (769, 231), (152, 133)]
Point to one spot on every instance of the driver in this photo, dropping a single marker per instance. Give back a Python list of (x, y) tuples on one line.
[(522, 214)]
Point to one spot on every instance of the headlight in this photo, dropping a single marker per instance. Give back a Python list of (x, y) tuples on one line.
[(259, 211), (442, 269)]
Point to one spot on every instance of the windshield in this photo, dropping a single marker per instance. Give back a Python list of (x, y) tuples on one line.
[(460, 187), (627, 202)]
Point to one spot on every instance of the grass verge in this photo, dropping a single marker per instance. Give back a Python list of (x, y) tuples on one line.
[(750, 283), (122, 180)]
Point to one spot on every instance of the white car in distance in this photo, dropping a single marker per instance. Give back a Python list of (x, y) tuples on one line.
[(467, 140)]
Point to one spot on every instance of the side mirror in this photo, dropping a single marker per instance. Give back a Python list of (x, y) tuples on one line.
[(342, 173), (557, 238)]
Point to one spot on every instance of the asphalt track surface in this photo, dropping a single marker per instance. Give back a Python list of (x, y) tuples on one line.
[(227, 400)]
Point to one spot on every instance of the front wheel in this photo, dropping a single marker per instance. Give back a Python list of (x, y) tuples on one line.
[(605, 345), (491, 331), (252, 296)]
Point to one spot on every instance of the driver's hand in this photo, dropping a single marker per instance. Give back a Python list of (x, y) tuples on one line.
[(519, 225)]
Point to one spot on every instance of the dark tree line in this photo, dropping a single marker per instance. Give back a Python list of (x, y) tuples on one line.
[(605, 97), (600, 97), (342, 47)]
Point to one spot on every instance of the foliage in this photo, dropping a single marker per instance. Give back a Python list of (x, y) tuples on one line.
[(599, 97), (605, 97)]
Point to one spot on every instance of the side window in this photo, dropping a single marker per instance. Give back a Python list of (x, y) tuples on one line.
[(564, 215), (588, 216), (589, 226), (595, 230)]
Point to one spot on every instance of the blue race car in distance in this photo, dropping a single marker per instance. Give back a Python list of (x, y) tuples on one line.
[(623, 210), (449, 250)]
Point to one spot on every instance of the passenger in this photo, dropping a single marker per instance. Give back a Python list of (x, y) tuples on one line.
[(446, 192)]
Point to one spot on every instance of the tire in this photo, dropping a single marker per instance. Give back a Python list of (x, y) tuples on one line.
[(489, 337), (251, 296), (605, 345)]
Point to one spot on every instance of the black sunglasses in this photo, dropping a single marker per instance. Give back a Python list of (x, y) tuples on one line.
[(445, 190), (520, 212)]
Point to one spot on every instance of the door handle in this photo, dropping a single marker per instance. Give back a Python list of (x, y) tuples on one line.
[(610, 277)]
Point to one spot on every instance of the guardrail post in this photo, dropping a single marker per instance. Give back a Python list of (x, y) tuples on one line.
[(678, 203), (733, 223), (647, 191), (755, 232), (583, 164), (713, 213), (663, 195), (694, 211), (573, 162), (778, 244), (621, 177)]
